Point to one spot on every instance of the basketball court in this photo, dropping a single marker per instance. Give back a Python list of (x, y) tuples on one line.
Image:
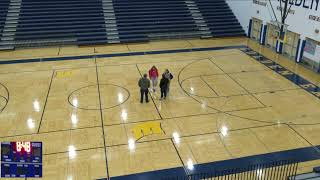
[(223, 104)]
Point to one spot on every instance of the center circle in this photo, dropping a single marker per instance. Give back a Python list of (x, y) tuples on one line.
[(97, 97)]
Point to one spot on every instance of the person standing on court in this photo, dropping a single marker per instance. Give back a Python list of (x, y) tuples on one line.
[(169, 76), (153, 75), (163, 87), (144, 84)]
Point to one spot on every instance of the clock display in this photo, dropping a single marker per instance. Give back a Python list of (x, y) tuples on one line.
[(23, 147)]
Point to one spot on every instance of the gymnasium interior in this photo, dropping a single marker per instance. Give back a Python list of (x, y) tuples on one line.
[(242, 101)]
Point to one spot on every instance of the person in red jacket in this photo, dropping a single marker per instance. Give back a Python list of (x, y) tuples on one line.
[(153, 75)]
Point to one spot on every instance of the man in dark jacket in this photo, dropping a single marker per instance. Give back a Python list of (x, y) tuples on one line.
[(144, 84), (164, 82), (169, 76)]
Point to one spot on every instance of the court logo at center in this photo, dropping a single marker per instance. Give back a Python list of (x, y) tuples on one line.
[(145, 129)]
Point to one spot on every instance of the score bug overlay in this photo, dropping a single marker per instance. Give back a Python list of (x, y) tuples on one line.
[(21, 159)]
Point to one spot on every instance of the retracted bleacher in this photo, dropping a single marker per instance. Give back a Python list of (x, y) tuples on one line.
[(3, 13), (66, 21), (86, 22), (4, 5)]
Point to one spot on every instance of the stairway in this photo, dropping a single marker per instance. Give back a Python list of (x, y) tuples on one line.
[(198, 19), (110, 21)]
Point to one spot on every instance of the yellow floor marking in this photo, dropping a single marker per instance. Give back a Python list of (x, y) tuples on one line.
[(64, 74), (145, 129)]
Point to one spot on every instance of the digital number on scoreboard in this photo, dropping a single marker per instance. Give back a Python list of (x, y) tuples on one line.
[(21, 159)]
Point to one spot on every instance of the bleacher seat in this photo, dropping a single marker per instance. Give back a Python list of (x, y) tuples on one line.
[(73, 20), (4, 4), (152, 19), (220, 18)]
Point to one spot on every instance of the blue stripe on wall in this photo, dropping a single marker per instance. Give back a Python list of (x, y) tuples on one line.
[(264, 34), (279, 46), (261, 34), (302, 49), (297, 52), (249, 29)]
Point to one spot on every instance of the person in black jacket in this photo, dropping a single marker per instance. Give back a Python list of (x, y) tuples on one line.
[(164, 86), (169, 76)]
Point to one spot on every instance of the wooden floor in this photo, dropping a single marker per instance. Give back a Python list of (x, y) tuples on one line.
[(222, 105)]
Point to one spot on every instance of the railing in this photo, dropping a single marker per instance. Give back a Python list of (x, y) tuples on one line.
[(279, 170)]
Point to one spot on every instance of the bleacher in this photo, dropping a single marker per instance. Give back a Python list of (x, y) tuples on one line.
[(63, 21), (220, 18), (143, 20), (4, 4), (85, 22)]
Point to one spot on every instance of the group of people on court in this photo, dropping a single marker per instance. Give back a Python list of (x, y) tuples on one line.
[(144, 83)]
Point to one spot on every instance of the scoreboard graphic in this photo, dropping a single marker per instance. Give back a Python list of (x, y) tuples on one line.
[(21, 159)]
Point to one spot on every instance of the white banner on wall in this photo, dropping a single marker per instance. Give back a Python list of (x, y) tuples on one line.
[(314, 54)]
